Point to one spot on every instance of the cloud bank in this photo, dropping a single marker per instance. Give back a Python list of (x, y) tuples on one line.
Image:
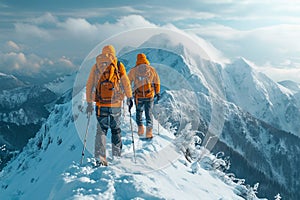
[(264, 32)]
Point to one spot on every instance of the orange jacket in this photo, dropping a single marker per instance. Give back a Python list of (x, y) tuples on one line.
[(93, 80), (153, 77)]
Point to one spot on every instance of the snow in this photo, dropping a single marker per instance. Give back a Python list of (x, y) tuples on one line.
[(259, 95), (61, 84), (49, 169), (6, 76), (290, 86), (21, 105)]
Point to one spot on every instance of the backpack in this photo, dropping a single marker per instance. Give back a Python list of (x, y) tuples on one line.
[(143, 80), (108, 88)]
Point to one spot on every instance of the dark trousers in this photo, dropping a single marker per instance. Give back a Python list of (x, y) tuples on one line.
[(147, 105), (109, 117)]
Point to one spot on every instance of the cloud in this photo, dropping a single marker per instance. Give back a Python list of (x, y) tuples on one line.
[(47, 18), (30, 30), (85, 35), (216, 31), (280, 74), (29, 64), (285, 37), (12, 46), (66, 62), (74, 37), (274, 49), (213, 54), (13, 61), (80, 27), (47, 36), (276, 43), (134, 21)]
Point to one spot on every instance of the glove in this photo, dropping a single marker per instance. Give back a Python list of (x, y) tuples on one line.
[(89, 108), (157, 96), (129, 103)]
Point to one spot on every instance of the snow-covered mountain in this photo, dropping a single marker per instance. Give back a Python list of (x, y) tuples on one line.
[(262, 97), (22, 112), (48, 167), (24, 105), (256, 113), (9, 82), (62, 84), (293, 86), (199, 97)]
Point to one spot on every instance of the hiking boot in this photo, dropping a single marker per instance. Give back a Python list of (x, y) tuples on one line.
[(102, 162), (141, 130), (149, 134)]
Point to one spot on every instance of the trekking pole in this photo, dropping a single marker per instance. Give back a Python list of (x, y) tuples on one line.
[(86, 133), (158, 123), (123, 108), (132, 136), (156, 105)]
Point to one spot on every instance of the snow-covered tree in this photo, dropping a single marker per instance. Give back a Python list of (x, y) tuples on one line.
[(277, 197)]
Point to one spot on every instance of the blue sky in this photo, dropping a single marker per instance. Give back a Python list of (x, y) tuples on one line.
[(57, 35)]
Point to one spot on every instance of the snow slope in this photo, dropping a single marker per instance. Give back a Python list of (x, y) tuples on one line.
[(293, 86), (48, 167), (62, 84), (273, 152), (24, 105), (22, 112), (9, 82), (245, 109), (262, 97)]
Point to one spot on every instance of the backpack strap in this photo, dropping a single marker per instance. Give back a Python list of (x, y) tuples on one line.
[(118, 70)]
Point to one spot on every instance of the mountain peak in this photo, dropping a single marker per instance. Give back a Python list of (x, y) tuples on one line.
[(164, 41), (240, 69), (9, 82), (293, 86), (243, 63)]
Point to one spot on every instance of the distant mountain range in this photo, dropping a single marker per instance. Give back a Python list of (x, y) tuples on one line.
[(22, 111)]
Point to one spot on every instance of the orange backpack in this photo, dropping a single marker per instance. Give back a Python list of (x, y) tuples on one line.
[(143, 80), (108, 88)]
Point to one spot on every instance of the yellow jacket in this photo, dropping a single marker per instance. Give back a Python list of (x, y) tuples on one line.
[(93, 80), (152, 77)]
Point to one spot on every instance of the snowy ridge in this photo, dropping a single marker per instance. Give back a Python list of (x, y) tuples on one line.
[(260, 96), (9, 82), (18, 117), (186, 57), (291, 85), (262, 145), (220, 107), (233, 90), (62, 84), (48, 168), (16, 97), (24, 105)]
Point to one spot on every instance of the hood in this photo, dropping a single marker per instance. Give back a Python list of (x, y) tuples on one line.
[(109, 49), (142, 59)]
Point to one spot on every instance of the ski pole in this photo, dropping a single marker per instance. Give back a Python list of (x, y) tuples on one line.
[(86, 133), (132, 136)]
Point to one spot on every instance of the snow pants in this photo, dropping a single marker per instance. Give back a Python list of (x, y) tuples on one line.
[(147, 105), (109, 117)]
